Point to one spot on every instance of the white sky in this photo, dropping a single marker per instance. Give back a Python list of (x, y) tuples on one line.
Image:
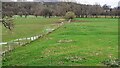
[(112, 3)]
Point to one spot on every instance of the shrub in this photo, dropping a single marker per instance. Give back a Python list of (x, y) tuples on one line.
[(112, 63), (70, 15), (8, 23)]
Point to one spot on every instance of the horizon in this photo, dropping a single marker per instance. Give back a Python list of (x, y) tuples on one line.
[(112, 3)]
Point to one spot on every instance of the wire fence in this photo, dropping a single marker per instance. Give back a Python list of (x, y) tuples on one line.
[(9, 46)]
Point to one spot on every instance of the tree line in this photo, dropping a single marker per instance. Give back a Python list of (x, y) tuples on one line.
[(48, 9)]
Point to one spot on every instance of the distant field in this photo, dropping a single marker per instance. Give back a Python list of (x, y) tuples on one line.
[(85, 43), (26, 27)]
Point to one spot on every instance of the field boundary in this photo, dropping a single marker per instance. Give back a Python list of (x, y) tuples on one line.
[(24, 41)]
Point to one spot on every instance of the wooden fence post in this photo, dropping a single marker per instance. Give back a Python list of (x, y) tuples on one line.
[(33, 37), (9, 47), (18, 42), (26, 41)]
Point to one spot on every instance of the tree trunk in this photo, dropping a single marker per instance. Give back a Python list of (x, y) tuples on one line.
[(105, 16), (25, 16), (86, 16), (96, 16), (36, 16)]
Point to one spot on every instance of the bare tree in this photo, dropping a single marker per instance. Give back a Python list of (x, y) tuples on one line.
[(106, 9), (8, 23)]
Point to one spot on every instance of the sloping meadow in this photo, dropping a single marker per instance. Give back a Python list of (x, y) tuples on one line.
[(27, 27), (86, 43)]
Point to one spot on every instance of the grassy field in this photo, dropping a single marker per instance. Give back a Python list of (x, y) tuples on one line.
[(27, 27), (85, 43)]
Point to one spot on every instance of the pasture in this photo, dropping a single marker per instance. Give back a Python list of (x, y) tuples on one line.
[(27, 27), (85, 42)]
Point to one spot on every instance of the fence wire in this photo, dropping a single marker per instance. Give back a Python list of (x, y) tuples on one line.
[(0, 33), (9, 46)]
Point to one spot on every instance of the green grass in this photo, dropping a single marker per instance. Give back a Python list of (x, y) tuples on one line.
[(27, 27), (92, 42)]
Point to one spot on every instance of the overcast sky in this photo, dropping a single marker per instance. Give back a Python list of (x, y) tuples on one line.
[(112, 3)]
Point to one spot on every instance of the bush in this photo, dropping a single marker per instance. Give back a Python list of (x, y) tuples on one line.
[(8, 23), (112, 63), (70, 15)]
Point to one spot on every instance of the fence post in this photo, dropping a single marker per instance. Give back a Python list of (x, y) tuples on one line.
[(30, 39), (26, 40), (15, 44), (34, 37), (9, 47), (18, 42)]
